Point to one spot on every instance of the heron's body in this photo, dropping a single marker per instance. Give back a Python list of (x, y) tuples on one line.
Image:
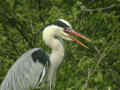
[(20, 77), (32, 67)]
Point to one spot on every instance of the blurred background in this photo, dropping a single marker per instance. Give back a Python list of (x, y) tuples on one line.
[(96, 68)]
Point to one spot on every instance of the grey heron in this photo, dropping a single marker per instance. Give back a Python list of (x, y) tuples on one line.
[(32, 67)]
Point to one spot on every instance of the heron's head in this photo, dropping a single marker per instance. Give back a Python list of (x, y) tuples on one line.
[(63, 29)]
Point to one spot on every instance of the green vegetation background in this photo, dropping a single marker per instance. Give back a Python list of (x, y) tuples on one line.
[(96, 68)]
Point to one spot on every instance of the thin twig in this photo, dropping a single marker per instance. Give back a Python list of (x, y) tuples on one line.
[(86, 82), (98, 9)]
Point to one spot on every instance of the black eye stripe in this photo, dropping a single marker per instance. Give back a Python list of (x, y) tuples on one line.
[(61, 24)]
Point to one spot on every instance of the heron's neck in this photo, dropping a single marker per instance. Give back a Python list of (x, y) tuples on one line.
[(56, 58), (57, 54)]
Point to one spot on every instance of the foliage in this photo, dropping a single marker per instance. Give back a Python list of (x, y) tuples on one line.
[(96, 68)]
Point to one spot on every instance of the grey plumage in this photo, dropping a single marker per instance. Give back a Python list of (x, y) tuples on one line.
[(20, 77)]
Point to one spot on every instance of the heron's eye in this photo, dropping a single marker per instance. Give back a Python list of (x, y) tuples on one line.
[(56, 37), (66, 28)]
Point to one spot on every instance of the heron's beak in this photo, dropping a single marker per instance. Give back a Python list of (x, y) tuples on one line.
[(71, 32)]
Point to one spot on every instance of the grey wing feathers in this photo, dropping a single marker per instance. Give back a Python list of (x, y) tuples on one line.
[(26, 72)]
